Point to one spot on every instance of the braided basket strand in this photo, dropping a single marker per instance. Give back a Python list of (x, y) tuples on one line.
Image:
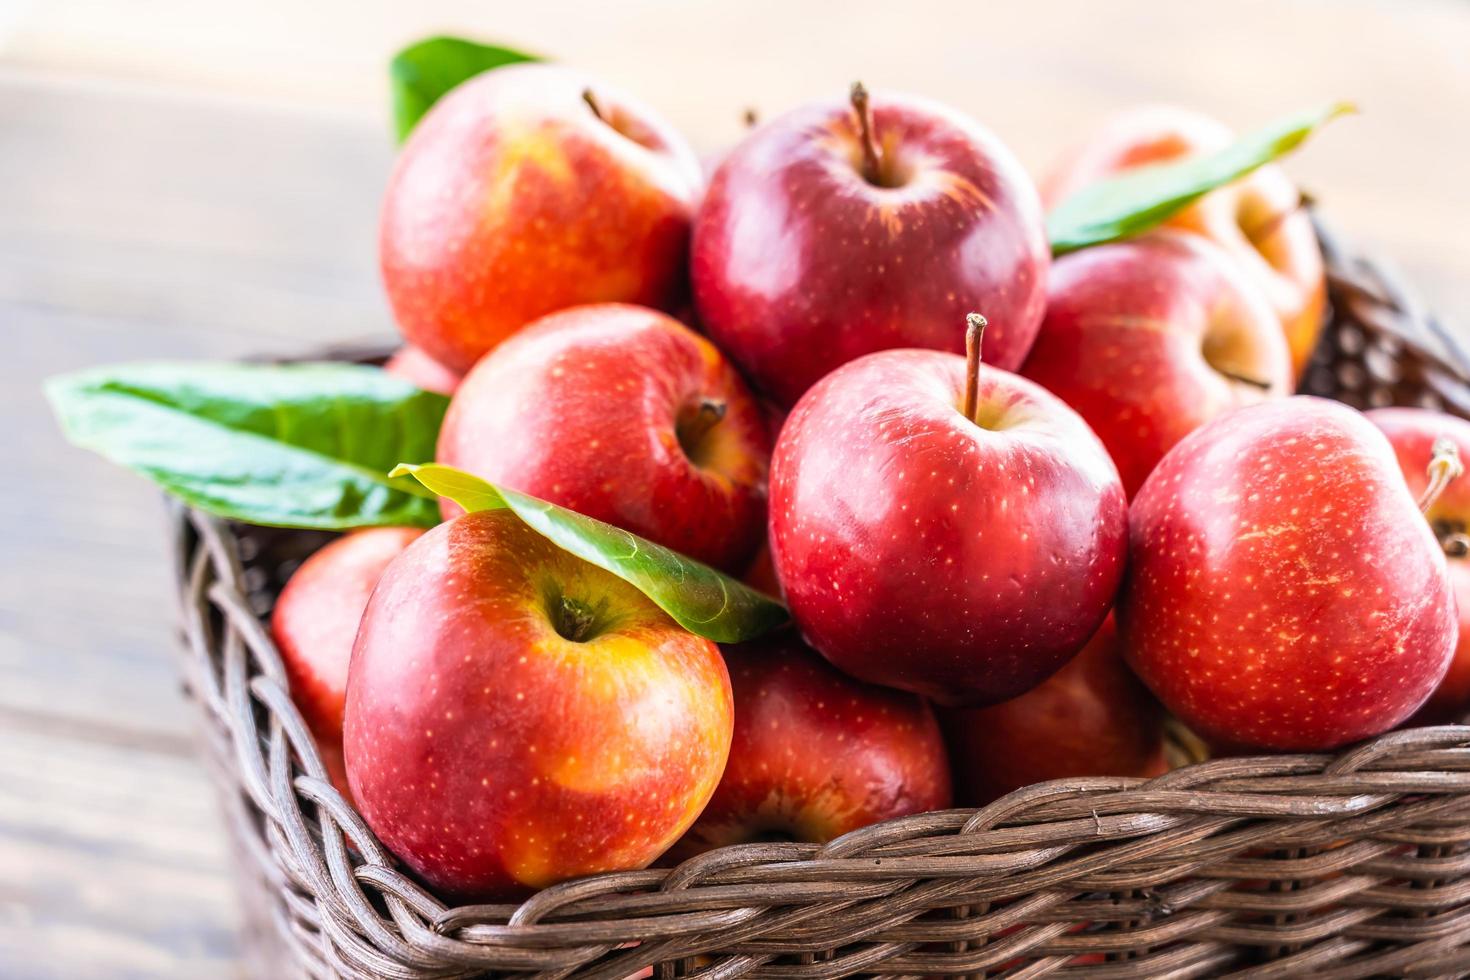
[(1347, 865)]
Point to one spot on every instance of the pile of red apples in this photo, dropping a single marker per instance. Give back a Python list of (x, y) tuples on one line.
[(1022, 510)]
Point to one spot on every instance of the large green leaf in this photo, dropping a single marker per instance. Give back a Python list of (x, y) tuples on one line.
[(305, 445), (421, 73), (699, 598), (1138, 200)]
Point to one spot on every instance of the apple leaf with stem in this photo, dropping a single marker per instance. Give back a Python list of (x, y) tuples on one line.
[(1133, 202), (422, 72), (295, 445), (699, 598)]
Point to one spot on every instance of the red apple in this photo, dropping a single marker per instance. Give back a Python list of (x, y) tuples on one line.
[(626, 415), (315, 620), (838, 230), (963, 552), (526, 190), (816, 754), (1091, 718), (1258, 219), (517, 716), (1150, 338), (418, 368), (1413, 433), (1284, 592)]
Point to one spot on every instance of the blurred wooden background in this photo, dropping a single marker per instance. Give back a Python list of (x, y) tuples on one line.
[(183, 178)]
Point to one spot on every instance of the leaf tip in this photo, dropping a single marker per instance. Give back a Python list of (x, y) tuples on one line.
[(403, 469)]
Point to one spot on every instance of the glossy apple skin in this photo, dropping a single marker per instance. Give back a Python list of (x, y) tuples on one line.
[(581, 409), (494, 756), (315, 620), (1091, 718), (1133, 333), (421, 370), (1412, 432), (512, 199), (801, 265), (1284, 592), (816, 753), (921, 551), (1257, 220)]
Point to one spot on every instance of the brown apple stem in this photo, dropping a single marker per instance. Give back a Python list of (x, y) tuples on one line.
[(872, 158), (974, 335), (591, 101), (1266, 229), (1246, 379), (1444, 468), (750, 116), (695, 421)]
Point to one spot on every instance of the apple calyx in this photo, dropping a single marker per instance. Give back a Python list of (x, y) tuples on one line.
[(574, 619), (1444, 468), (872, 157), (975, 325)]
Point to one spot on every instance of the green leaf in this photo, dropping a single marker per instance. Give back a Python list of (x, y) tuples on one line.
[(700, 599), (304, 445), (421, 73), (1138, 200)]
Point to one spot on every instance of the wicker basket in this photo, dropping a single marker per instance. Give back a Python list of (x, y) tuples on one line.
[(1351, 865)]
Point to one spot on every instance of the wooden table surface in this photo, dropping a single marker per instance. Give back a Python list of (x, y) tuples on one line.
[(195, 187)]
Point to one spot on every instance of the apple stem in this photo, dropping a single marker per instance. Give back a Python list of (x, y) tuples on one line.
[(591, 101), (1268, 228), (974, 335), (1246, 379), (750, 116), (1444, 468), (695, 421), (872, 158)]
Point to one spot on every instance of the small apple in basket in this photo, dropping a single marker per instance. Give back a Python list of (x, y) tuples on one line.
[(314, 623), (625, 415), (1257, 220), (529, 189), (1284, 591), (816, 754), (1413, 433), (517, 716), (1149, 338), (418, 368), (1091, 718), (841, 229), (945, 528)]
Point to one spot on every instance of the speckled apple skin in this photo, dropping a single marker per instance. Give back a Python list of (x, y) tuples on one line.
[(1412, 432), (1284, 592), (1257, 220), (581, 408), (1124, 340), (816, 753), (1091, 718), (800, 265), (493, 756), (421, 370), (513, 199), (924, 552)]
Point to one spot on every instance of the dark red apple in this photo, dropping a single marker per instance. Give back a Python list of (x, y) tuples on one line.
[(1258, 220), (1413, 433), (1091, 718), (526, 190), (517, 716), (1284, 592), (842, 229), (1150, 338), (816, 754), (418, 368), (626, 415), (960, 548), (314, 623)]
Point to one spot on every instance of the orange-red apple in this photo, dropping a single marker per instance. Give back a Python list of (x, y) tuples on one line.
[(1091, 718), (526, 190), (517, 716), (626, 415), (1150, 338), (1258, 219)]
